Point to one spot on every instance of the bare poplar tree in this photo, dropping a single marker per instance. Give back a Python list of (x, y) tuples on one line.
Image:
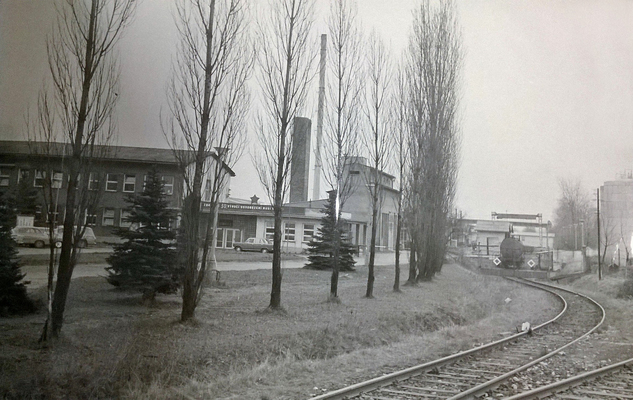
[(286, 70), (343, 117), (399, 142), (84, 74), (434, 61), (208, 101), (376, 138)]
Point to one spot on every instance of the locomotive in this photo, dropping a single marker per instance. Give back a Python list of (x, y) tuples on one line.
[(511, 253)]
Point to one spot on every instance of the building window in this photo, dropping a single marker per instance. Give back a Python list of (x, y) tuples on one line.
[(168, 181), (289, 232), (23, 175), (40, 176), (129, 184), (91, 219), (124, 219), (308, 233), (57, 180), (5, 174), (112, 182), (93, 181), (270, 230), (53, 212), (207, 190), (108, 217)]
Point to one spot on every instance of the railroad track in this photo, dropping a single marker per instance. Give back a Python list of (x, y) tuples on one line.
[(472, 373), (611, 382)]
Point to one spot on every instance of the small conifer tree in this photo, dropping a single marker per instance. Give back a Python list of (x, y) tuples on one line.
[(28, 197), (321, 247), (146, 259), (13, 297)]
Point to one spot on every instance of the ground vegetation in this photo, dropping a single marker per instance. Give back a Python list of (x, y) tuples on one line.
[(236, 350), (13, 297)]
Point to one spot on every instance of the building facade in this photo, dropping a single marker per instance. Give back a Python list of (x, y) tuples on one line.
[(616, 216), (113, 176), (239, 220)]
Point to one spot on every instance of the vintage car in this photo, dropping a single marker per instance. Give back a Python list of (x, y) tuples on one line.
[(30, 236), (254, 244), (88, 238)]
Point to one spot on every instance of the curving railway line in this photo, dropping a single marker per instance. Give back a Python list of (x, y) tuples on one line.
[(479, 371), (611, 382)]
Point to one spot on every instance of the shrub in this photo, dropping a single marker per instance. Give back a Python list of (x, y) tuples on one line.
[(626, 290)]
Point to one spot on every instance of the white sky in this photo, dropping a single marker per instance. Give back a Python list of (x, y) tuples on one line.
[(547, 90)]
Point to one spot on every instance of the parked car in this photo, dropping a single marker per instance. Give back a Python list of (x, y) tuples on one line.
[(88, 237), (254, 244), (30, 236)]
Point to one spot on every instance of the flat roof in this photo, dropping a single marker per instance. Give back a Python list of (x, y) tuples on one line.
[(122, 153)]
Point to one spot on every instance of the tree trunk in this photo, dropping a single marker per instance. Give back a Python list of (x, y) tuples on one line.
[(412, 264), (66, 262), (335, 264), (193, 277), (372, 250), (275, 294), (396, 281)]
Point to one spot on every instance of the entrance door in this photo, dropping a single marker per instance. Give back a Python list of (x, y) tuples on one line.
[(226, 238), (219, 241), (232, 235)]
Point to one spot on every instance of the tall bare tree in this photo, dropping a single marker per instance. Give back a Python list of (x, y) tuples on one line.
[(376, 138), (434, 61), (573, 205), (285, 72), (84, 74), (208, 101), (343, 118), (399, 143)]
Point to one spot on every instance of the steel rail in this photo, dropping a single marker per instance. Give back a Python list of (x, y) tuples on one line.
[(559, 386), (375, 383), (491, 384)]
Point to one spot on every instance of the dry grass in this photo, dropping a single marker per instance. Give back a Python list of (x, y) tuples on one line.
[(114, 347)]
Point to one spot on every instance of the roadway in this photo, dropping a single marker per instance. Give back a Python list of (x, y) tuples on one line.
[(36, 274)]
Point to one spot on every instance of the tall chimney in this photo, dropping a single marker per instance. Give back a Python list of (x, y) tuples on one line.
[(300, 165), (318, 166)]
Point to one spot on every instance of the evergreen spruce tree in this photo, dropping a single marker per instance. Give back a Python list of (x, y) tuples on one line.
[(27, 195), (321, 247), (146, 259), (13, 297)]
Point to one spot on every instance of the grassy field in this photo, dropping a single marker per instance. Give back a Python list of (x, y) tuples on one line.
[(113, 347)]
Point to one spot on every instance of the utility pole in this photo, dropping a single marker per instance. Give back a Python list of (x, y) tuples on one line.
[(598, 209)]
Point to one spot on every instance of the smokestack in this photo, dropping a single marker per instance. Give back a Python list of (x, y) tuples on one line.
[(316, 193), (300, 166)]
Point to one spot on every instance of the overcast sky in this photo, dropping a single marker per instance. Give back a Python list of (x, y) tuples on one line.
[(547, 90)]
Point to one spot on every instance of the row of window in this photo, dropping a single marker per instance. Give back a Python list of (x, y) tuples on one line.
[(111, 180), (290, 230), (113, 217)]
